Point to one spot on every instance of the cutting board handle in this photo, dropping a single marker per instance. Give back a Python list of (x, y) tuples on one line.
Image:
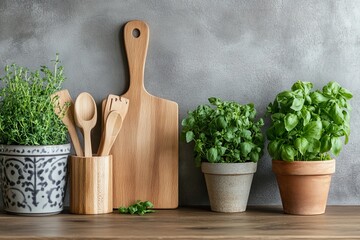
[(136, 35)]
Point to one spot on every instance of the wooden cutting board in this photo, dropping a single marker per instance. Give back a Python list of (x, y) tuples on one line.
[(145, 153)]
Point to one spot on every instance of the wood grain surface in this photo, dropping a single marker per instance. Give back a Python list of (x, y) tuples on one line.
[(340, 222), (146, 151), (90, 184)]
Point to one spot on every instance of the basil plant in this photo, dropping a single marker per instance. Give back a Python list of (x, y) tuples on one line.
[(224, 132), (309, 125)]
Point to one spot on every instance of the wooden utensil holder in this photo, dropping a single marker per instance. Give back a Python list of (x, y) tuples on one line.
[(91, 187)]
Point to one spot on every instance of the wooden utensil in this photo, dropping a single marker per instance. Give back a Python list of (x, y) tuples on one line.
[(85, 118), (112, 103), (111, 131), (68, 119), (146, 150), (105, 106), (121, 105)]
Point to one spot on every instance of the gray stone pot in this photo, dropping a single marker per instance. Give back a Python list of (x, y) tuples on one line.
[(33, 178), (228, 185)]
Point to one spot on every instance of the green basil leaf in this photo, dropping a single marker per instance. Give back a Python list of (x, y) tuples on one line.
[(274, 149), (148, 204), (221, 122), (229, 136), (221, 150), (214, 101), (325, 144), (334, 129), (313, 146), (272, 107), (298, 94), (199, 145), (277, 116), (301, 144), (245, 148), (254, 156), (270, 133), (304, 86), (297, 104), (336, 114), (346, 93), (246, 134), (284, 97), (279, 128), (331, 89), (123, 210), (336, 145), (212, 155), (325, 124), (189, 136), (317, 97), (288, 153), (306, 115), (236, 154), (313, 130), (291, 120)]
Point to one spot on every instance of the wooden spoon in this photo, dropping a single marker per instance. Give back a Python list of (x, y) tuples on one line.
[(85, 118), (112, 129), (68, 119)]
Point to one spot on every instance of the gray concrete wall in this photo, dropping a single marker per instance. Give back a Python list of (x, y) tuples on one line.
[(245, 51)]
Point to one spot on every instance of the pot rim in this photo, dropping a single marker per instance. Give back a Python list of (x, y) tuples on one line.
[(321, 167), (35, 150), (19, 145), (228, 168)]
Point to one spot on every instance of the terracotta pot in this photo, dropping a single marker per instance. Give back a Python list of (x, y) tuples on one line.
[(228, 185), (304, 185)]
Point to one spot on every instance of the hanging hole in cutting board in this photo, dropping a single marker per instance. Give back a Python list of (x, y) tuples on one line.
[(136, 33)]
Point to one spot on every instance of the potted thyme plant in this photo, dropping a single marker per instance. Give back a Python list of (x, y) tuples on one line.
[(228, 144), (33, 141), (306, 127)]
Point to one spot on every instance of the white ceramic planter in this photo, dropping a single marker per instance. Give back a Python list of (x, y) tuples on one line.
[(33, 178), (228, 185)]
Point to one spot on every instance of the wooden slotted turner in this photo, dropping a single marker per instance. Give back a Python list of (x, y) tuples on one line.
[(68, 119), (112, 103), (145, 153)]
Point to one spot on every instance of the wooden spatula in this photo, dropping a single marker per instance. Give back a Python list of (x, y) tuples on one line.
[(68, 119), (121, 105), (114, 103)]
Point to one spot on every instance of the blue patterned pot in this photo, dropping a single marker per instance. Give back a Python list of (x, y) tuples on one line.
[(33, 178)]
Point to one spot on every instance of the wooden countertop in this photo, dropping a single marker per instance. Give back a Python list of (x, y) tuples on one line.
[(339, 222)]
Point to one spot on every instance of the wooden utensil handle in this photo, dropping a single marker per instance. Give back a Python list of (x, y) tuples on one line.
[(75, 139), (87, 144), (136, 36)]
